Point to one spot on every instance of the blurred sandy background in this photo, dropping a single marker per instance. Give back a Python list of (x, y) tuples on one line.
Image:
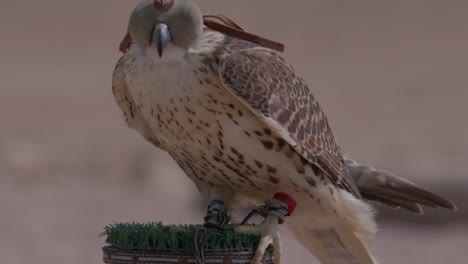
[(391, 75)]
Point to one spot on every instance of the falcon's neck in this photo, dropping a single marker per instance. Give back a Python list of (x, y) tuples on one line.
[(177, 71), (178, 68), (172, 54)]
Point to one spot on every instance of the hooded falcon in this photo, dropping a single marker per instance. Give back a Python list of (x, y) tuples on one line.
[(243, 125)]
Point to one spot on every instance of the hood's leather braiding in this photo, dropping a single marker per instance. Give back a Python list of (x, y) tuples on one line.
[(125, 43), (230, 28), (227, 26), (226, 20)]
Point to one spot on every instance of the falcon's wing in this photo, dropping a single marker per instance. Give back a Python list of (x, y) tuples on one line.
[(281, 98), (393, 191), (124, 100)]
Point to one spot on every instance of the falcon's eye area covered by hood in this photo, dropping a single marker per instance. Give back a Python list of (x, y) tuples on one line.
[(186, 22)]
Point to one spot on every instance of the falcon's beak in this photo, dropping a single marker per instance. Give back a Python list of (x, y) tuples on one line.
[(161, 37)]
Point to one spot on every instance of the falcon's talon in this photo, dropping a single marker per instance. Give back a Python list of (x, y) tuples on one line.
[(269, 235), (275, 211)]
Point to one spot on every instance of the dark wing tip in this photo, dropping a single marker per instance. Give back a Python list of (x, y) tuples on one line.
[(409, 197), (392, 202), (430, 198)]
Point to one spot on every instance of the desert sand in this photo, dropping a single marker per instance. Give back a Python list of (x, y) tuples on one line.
[(391, 77)]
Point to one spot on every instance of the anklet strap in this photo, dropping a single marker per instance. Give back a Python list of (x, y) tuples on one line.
[(287, 200), (215, 202)]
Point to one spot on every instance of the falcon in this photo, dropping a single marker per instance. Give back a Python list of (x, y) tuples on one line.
[(245, 127)]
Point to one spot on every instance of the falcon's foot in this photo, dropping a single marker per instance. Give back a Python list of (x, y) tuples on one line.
[(269, 235), (275, 210), (217, 215), (216, 218)]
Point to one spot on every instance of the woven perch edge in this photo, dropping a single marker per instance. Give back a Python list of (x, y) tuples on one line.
[(112, 255)]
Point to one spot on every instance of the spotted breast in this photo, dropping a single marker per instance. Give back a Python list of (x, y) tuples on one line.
[(215, 139)]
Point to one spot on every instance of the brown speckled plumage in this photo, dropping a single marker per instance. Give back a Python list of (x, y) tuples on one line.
[(263, 81), (243, 125), (238, 119)]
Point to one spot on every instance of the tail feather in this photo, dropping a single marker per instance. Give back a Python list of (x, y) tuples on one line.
[(394, 191), (333, 245), (392, 202), (343, 239)]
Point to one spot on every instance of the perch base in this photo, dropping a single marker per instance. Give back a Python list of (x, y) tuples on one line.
[(113, 255)]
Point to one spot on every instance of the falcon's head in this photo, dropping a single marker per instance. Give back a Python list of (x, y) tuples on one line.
[(166, 24)]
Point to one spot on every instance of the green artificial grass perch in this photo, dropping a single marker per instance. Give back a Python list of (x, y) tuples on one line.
[(155, 243), (178, 239)]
